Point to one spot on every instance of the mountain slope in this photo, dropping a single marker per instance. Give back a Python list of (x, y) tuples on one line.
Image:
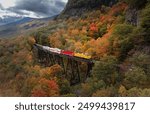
[(79, 7), (9, 19), (22, 26)]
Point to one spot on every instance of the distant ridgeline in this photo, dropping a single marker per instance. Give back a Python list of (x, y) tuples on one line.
[(78, 7)]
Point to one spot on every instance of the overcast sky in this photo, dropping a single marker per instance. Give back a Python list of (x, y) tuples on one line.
[(31, 8)]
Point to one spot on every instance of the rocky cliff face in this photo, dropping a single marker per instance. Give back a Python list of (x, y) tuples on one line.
[(78, 7), (132, 16)]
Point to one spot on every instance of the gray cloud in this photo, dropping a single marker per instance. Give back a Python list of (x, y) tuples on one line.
[(17, 11), (43, 8), (1, 7)]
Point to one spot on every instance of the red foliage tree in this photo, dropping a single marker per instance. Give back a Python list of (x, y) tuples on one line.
[(93, 27)]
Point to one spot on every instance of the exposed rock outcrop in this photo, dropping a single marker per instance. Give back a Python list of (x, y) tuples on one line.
[(132, 16), (79, 7)]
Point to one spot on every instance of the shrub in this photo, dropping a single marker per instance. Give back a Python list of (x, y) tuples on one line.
[(145, 93), (135, 77), (145, 23), (141, 60), (108, 92), (64, 86), (134, 92), (41, 37), (138, 92), (122, 30), (28, 85), (106, 70), (90, 86), (120, 41), (122, 91), (102, 30)]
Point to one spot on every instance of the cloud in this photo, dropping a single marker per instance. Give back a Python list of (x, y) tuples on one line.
[(42, 8), (1, 7), (19, 12)]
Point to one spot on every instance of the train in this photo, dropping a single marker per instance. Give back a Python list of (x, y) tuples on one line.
[(66, 52)]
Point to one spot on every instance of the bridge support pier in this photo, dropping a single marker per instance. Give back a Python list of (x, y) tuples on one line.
[(71, 68)]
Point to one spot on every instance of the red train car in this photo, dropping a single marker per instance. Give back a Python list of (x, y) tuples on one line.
[(69, 53)]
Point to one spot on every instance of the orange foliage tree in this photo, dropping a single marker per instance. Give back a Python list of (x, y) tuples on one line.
[(45, 88)]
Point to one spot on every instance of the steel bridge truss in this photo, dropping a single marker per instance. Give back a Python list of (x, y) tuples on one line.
[(71, 65)]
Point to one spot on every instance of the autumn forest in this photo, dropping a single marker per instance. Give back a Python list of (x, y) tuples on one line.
[(117, 37)]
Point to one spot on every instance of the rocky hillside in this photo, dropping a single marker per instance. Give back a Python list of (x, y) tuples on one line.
[(78, 7)]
